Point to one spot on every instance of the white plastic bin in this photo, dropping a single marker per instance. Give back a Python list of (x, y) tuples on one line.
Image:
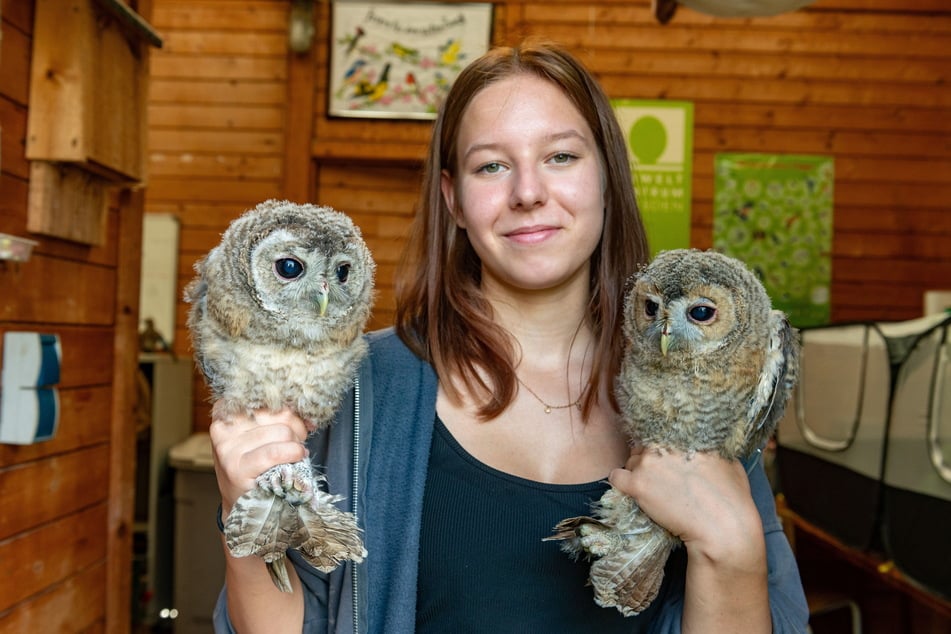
[(866, 425), (917, 504), (831, 440)]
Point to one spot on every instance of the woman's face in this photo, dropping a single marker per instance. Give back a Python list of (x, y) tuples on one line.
[(528, 185)]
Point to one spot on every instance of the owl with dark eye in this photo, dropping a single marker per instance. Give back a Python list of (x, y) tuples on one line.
[(277, 314), (708, 366)]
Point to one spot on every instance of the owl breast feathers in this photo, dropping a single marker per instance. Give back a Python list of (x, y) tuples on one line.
[(278, 308)]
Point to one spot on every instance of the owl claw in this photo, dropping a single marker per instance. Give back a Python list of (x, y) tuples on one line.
[(599, 540), (293, 482), (590, 529)]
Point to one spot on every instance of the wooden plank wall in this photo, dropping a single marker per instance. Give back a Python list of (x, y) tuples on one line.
[(218, 115), (65, 510), (865, 81)]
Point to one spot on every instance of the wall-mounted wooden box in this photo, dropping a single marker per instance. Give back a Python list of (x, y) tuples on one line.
[(87, 90), (86, 127)]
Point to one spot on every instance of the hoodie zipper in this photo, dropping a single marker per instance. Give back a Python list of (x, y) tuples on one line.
[(354, 492)]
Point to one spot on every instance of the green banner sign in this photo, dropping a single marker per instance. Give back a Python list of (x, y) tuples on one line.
[(660, 139)]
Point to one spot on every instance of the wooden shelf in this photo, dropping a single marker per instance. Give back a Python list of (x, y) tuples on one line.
[(369, 152)]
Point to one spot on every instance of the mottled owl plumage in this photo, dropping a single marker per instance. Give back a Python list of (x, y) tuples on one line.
[(278, 310), (708, 366)]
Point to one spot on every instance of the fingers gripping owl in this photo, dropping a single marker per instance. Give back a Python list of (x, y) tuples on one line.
[(277, 312), (708, 367)]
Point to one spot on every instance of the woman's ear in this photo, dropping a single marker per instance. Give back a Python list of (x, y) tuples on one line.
[(449, 196)]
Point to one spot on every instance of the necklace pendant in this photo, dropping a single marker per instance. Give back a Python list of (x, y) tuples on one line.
[(548, 409)]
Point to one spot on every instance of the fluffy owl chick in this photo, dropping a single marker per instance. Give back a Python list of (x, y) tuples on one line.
[(708, 366), (278, 309)]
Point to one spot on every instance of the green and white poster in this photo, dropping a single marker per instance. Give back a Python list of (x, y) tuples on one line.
[(774, 212), (660, 140)]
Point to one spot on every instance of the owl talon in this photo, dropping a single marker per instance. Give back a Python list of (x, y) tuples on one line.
[(588, 530), (599, 541), (293, 482)]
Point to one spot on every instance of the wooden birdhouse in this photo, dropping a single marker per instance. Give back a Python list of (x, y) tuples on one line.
[(87, 96)]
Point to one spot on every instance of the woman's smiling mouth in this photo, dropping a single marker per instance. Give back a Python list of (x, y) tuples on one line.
[(532, 234)]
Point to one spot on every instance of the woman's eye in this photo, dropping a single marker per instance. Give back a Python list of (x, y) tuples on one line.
[(650, 308), (288, 268), (563, 157), (491, 168), (343, 273), (702, 313)]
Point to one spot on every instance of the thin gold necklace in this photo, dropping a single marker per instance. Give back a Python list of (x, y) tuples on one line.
[(548, 408)]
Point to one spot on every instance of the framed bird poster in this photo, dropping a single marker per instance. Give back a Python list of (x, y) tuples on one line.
[(397, 60)]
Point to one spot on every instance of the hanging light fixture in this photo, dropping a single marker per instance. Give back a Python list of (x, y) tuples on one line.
[(300, 26), (664, 10)]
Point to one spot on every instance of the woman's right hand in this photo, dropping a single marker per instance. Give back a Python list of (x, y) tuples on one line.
[(244, 447)]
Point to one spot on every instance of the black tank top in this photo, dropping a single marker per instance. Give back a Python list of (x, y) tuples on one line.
[(483, 565)]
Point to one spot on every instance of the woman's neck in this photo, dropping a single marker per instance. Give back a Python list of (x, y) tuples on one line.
[(550, 327)]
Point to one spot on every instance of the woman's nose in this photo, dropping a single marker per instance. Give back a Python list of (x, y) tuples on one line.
[(528, 190)]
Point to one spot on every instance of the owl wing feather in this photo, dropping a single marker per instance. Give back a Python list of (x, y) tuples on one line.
[(260, 524), (780, 371), (267, 525)]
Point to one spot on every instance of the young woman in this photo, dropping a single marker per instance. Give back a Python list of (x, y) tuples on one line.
[(487, 415)]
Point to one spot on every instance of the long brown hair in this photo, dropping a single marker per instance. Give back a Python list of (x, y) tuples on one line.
[(441, 312)]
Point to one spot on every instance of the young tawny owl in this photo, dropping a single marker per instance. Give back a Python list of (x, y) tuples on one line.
[(278, 310), (708, 366)]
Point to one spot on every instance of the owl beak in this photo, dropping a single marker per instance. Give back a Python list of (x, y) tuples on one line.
[(664, 339), (322, 300)]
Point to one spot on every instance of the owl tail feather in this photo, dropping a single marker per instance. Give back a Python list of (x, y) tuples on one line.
[(629, 550), (630, 577), (278, 571), (328, 536)]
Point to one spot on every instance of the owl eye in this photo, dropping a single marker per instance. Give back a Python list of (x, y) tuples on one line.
[(650, 308), (702, 313), (343, 273), (288, 268)]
